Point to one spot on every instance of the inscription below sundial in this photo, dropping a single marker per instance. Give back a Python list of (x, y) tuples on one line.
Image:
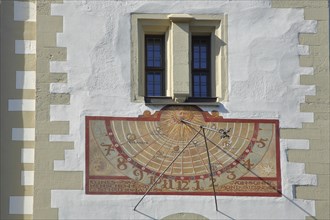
[(126, 155)]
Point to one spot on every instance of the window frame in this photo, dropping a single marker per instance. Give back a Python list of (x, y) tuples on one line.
[(160, 69), (194, 71), (213, 25)]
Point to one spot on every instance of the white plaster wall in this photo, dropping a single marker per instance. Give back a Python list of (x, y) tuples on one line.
[(263, 83), (25, 79), (25, 46), (24, 11)]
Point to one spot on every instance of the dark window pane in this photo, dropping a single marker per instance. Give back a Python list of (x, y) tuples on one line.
[(203, 86), (154, 84), (203, 79), (203, 59), (196, 85), (154, 51), (196, 55)]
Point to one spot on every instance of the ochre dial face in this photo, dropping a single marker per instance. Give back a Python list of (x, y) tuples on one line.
[(172, 143)]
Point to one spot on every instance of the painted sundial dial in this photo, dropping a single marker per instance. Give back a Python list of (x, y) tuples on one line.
[(125, 155)]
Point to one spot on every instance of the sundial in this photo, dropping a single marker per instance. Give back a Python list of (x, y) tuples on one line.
[(182, 150)]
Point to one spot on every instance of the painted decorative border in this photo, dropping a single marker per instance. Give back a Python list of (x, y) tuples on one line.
[(110, 182)]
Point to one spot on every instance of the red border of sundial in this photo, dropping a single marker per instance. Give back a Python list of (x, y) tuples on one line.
[(214, 117)]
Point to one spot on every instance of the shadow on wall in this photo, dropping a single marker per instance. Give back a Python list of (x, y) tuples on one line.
[(13, 94)]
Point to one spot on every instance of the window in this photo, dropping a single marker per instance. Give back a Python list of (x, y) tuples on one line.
[(178, 58), (200, 69), (154, 65)]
